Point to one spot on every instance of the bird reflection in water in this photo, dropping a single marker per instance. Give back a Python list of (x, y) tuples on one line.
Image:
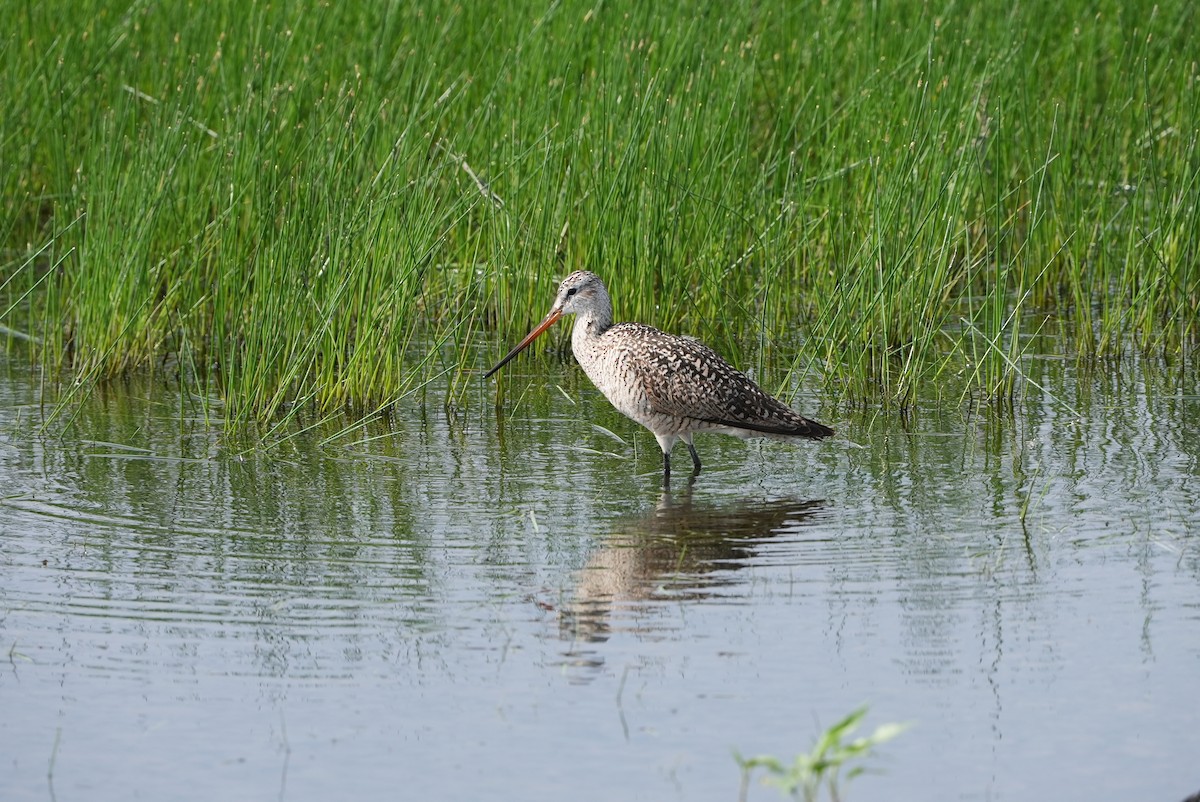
[(680, 550)]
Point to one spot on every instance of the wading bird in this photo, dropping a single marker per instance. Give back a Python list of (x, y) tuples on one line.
[(674, 386)]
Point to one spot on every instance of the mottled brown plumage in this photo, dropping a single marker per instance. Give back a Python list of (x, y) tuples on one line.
[(674, 386)]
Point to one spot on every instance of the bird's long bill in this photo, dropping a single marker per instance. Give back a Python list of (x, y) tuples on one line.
[(554, 315)]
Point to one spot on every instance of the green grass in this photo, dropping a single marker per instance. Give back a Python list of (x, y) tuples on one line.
[(321, 206), (821, 767)]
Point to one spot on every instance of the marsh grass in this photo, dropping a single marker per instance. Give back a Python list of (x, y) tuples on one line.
[(321, 206)]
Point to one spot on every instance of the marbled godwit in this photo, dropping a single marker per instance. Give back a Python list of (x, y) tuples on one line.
[(674, 386)]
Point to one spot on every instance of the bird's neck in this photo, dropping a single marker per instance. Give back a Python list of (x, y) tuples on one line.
[(590, 325)]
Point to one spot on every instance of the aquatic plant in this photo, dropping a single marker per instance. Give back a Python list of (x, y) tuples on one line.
[(822, 766)]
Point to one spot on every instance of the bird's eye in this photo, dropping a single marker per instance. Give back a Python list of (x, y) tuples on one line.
[(572, 291)]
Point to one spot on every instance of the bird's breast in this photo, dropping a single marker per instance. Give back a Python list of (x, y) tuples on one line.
[(613, 369)]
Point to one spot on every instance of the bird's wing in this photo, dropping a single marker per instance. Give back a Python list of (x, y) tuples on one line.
[(684, 378)]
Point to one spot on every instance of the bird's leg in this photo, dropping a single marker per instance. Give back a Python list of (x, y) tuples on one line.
[(666, 442), (687, 439), (695, 457)]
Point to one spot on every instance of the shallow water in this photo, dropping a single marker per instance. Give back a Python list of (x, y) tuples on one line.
[(465, 605)]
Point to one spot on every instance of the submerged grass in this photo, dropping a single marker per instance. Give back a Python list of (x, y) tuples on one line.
[(314, 206)]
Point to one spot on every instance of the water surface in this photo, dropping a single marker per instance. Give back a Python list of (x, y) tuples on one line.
[(465, 605)]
